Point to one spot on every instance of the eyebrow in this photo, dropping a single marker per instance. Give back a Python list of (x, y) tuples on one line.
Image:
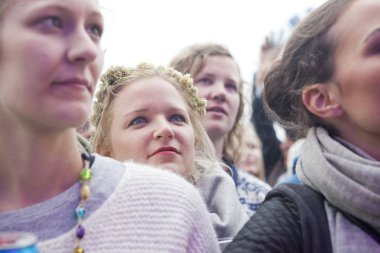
[(171, 110), (135, 111), (373, 33), (63, 8)]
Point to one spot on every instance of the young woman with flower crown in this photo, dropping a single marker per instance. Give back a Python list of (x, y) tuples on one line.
[(151, 115), (50, 185)]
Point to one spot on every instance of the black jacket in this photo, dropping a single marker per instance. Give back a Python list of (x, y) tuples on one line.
[(292, 219)]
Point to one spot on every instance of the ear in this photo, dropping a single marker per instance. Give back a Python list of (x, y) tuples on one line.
[(322, 100)]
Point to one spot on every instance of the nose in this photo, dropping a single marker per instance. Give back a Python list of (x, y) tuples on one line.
[(218, 92), (163, 130), (82, 48)]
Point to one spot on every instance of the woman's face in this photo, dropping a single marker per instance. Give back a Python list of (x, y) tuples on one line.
[(219, 83), (50, 61), (357, 74), (251, 159), (151, 125)]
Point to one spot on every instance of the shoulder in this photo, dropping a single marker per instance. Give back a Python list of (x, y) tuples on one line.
[(215, 178), (275, 227), (144, 180), (157, 185), (103, 162), (251, 191), (246, 178), (291, 219), (302, 196)]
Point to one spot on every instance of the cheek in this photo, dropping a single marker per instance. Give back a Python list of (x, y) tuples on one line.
[(258, 154), (235, 103), (189, 142), (120, 143), (98, 65), (123, 150), (202, 91), (190, 159)]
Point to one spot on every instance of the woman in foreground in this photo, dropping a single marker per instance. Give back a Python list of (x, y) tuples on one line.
[(50, 185), (327, 83)]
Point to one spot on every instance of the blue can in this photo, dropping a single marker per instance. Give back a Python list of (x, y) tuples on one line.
[(18, 242)]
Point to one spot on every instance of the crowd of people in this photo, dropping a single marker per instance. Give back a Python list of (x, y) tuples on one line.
[(162, 159)]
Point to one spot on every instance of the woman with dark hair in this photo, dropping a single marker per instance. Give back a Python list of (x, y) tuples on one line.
[(327, 84)]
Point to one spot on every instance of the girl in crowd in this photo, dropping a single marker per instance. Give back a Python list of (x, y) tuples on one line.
[(251, 158), (327, 83), (217, 77), (50, 61), (151, 115)]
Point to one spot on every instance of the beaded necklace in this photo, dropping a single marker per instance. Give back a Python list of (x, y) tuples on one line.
[(84, 193)]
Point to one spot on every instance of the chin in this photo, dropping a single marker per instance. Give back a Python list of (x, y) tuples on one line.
[(76, 117), (216, 130)]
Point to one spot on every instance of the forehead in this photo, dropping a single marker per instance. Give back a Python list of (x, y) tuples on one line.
[(357, 21), (26, 6), (152, 90), (221, 65)]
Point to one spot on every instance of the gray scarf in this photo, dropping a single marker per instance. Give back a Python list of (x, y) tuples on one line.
[(350, 182)]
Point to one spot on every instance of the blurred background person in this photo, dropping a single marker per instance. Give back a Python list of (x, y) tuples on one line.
[(251, 158), (217, 76), (274, 161), (276, 140), (290, 148)]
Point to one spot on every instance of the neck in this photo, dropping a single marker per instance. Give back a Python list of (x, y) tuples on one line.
[(35, 167), (370, 144), (218, 144)]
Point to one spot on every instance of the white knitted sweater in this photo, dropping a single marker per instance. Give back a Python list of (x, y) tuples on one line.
[(150, 211)]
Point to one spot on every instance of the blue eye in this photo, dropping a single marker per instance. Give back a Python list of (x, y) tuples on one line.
[(178, 118), (204, 81), (96, 30), (138, 121), (53, 21), (231, 86)]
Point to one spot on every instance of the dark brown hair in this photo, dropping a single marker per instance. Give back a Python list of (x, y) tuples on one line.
[(308, 58)]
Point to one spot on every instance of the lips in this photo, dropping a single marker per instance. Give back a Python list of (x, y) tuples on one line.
[(74, 82), (216, 109), (164, 150)]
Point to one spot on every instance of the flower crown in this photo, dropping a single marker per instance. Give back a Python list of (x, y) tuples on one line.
[(117, 74)]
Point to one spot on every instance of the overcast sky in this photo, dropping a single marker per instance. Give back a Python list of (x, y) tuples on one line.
[(155, 30)]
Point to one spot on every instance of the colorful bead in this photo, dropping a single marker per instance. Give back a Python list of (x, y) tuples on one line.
[(85, 192), (85, 174), (80, 212), (78, 250), (80, 232)]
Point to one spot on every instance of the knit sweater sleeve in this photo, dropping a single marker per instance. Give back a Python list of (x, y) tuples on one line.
[(201, 236), (274, 228), (150, 211)]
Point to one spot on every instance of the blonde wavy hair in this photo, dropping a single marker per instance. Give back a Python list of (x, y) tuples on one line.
[(192, 60), (117, 78)]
